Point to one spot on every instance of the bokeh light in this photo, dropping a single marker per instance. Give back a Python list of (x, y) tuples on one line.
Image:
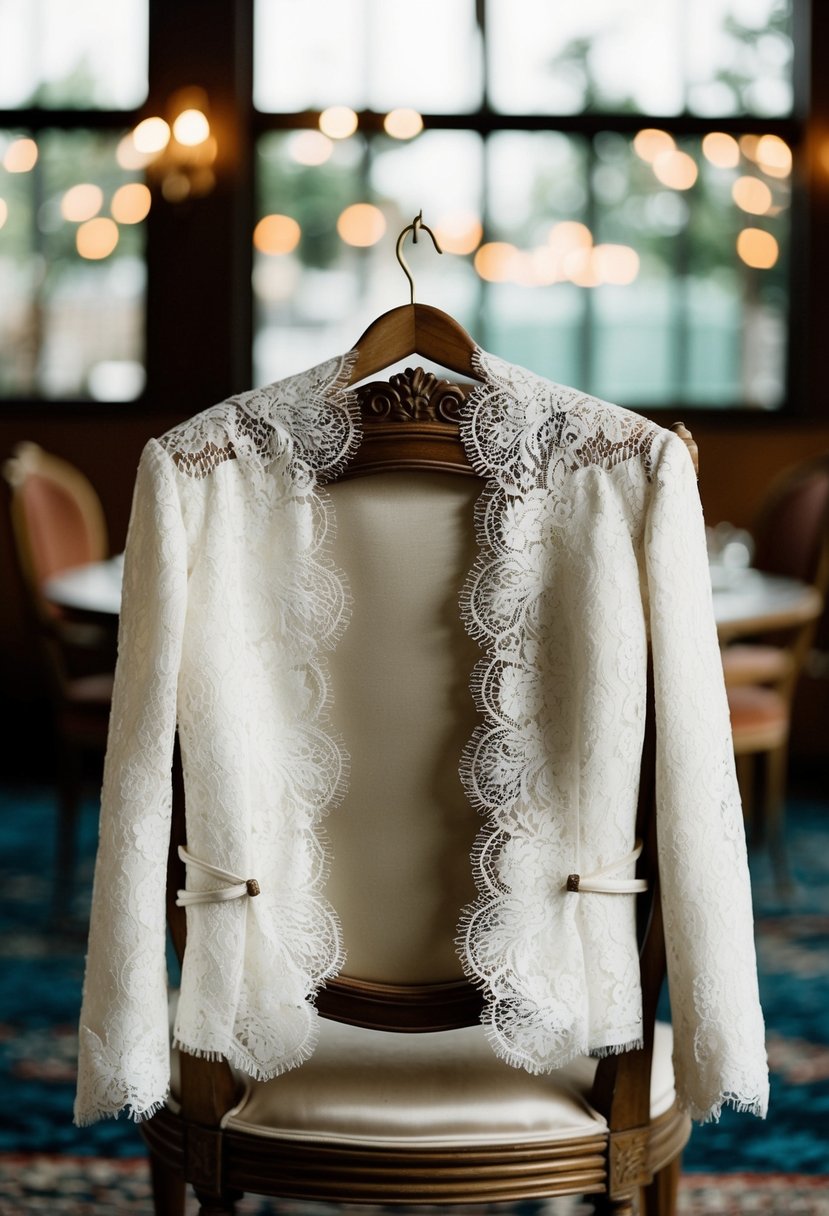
[(131, 203), (276, 234), (361, 225), (757, 248), (97, 238), (81, 202)]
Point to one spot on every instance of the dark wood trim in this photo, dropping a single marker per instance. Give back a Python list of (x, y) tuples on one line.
[(370, 122), (199, 256), (413, 1008)]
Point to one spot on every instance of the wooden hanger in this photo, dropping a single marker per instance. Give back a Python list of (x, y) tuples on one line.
[(411, 420), (414, 329)]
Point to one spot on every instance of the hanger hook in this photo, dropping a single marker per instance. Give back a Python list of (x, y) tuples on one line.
[(415, 227)]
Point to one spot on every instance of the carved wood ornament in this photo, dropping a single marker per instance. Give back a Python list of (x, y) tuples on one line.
[(414, 395)]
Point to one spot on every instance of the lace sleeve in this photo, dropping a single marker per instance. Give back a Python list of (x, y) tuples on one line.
[(124, 1040), (719, 1052)]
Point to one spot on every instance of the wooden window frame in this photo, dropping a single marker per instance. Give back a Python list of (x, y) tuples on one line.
[(199, 328)]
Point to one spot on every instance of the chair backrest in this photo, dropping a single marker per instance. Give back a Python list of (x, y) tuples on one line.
[(402, 839), (792, 528), (791, 538), (57, 518)]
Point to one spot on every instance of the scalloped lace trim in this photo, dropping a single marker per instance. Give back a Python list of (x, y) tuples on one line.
[(310, 424)]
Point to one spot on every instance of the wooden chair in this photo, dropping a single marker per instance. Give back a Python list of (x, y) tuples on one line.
[(761, 675), (403, 1101), (57, 523)]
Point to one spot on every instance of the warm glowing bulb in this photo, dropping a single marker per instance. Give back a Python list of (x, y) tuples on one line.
[(4, 211), (721, 149), (651, 142), (579, 266), (311, 147), (751, 195), (569, 234), (459, 232), (748, 146), (403, 124), (152, 135), (191, 128), (495, 261), (21, 156), (616, 264), (361, 225), (544, 266), (276, 234), (675, 169), (774, 156), (131, 203), (81, 202), (757, 248), (96, 239), (338, 122), (127, 154)]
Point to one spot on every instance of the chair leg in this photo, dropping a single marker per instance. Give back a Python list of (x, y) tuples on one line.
[(168, 1188), (209, 1205), (774, 814), (659, 1197), (745, 779), (69, 780)]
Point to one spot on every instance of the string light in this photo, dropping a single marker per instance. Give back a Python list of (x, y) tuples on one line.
[(97, 238), (751, 195), (721, 149), (191, 128), (757, 248), (403, 123), (650, 142), (131, 203), (81, 202), (276, 234), (151, 135), (21, 156), (361, 225), (338, 122), (675, 169), (310, 148)]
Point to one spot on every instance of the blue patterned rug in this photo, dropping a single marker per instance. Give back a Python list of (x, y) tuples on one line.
[(47, 1165)]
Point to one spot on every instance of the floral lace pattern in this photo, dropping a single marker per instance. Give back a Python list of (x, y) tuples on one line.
[(590, 543)]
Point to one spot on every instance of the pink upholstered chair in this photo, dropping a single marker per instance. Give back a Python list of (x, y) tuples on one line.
[(57, 523), (403, 1101), (791, 539)]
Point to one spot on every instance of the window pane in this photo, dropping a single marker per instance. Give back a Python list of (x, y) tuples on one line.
[(378, 54), (84, 53), (72, 308), (325, 245), (646, 277), (711, 57)]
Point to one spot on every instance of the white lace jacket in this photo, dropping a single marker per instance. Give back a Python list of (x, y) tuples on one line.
[(591, 540)]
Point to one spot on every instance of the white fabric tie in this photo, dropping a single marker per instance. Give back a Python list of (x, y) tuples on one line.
[(236, 887), (601, 882)]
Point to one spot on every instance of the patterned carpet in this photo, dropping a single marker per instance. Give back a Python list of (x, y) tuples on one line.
[(48, 1166)]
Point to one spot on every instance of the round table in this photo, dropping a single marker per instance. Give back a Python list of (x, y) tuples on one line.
[(748, 601), (745, 601)]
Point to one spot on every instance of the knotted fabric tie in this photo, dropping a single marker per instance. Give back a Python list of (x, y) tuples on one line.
[(602, 882), (236, 887)]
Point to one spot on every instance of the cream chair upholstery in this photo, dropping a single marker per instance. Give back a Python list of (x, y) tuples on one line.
[(378, 1114)]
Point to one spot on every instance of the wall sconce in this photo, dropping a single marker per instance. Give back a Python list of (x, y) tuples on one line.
[(177, 151)]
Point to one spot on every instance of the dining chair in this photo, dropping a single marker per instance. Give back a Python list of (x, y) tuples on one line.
[(57, 522), (791, 539), (403, 1101)]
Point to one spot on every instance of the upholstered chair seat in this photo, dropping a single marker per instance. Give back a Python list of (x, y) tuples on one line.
[(441, 1089)]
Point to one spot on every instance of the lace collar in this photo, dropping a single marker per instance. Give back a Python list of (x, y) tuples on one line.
[(519, 429)]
